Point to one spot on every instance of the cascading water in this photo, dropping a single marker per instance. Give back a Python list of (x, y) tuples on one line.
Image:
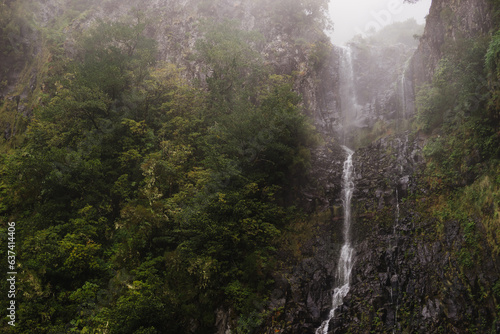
[(349, 104), (345, 262), (402, 148), (403, 91), (350, 110), (406, 97)]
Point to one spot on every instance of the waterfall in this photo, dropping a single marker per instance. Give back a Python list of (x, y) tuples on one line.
[(396, 271), (405, 99), (350, 110), (349, 104), (345, 262), (401, 160), (403, 92)]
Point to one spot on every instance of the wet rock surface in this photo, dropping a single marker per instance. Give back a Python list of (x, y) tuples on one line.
[(381, 78), (304, 292), (413, 272), (408, 282), (407, 276)]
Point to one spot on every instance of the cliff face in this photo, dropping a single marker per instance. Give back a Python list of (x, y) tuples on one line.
[(50, 30), (449, 21), (385, 173), (383, 92), (415, 270)]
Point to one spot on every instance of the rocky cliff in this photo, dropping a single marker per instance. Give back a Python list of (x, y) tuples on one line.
[(449, 21), (50, 30), (415, 270)]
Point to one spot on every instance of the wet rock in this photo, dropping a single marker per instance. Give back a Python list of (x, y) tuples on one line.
[(224, 321), (7, 132), (431, 309)]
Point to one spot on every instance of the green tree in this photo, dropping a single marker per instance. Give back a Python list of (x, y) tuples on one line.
[(233, 66)]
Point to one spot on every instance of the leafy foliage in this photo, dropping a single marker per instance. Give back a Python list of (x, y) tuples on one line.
[(455, 110), (493, 71), (143, 202), (458, 116)]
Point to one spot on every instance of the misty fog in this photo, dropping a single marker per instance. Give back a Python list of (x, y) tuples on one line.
[(362, 17)]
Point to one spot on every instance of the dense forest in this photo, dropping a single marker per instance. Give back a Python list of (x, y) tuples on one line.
[(158, 161), (144, 201)]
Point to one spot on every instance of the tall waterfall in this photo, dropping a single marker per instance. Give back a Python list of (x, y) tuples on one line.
[(406, 93), (403, 94), (402, 149), (349, 101), (345, 262)]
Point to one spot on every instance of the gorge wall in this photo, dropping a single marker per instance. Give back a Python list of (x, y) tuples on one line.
[(299, 50), (409, 273), (449, 21)]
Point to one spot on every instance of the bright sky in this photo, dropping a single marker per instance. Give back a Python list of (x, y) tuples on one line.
[(353, 17)]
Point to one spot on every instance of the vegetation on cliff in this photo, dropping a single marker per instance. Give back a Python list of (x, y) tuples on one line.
[(144, 202), (152, 184)]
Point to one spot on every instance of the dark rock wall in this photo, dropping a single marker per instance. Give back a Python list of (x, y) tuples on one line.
[(301, 51), (408, 281), (408, 275), (449, 20), (384, 173)]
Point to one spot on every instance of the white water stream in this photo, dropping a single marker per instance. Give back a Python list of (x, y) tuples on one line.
[(404, 91), (349, 101), (345, 262), (350, 113)]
